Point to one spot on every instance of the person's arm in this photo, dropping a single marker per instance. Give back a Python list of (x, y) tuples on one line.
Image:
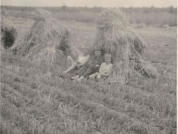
[(110, 70)]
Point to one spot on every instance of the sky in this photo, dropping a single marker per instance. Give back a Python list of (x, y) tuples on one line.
[(92, 3)]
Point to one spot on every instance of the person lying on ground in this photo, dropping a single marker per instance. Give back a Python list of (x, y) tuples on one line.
[(105, 69), (81, 61), (92, 66)]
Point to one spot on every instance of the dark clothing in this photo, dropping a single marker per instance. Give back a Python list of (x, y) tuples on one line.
[(96, 61), (82, 70), (90, 70), (91, 67)]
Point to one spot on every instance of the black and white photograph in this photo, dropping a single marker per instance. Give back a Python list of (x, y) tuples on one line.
[(88, 67)]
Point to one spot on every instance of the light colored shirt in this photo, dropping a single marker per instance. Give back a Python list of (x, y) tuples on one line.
[(82, 59), (105, 69)]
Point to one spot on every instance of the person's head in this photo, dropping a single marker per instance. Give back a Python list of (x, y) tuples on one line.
[(97, 53), (85, 51), (107, 58)]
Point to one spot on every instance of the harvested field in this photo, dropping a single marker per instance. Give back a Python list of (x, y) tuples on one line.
[(34, 100)]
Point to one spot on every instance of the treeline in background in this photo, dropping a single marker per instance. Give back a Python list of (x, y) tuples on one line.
[(145, 15)]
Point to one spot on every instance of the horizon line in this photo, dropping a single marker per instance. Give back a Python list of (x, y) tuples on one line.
[(95, 6)]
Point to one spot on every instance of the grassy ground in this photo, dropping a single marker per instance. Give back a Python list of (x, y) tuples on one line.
[(37, 102)]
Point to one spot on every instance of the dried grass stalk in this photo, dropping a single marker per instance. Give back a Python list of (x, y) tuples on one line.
[(115, 36), (46, 41), (8, 31)]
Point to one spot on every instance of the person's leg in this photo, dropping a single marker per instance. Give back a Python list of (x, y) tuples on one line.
[(70, 61), (101, 77), (70, 64), (80, 78), (74, 77), (93, 76), (91, 70), (82, 70), (88, 72), (70, 68), (98, 77)]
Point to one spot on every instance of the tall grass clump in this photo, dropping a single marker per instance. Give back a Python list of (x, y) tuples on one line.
[(8, 31), (46, 42), (115, 36)]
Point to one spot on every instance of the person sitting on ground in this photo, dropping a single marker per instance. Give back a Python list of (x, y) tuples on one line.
[(105, 69), (70, 60), (91, 67), (81, 60), (66, 50)]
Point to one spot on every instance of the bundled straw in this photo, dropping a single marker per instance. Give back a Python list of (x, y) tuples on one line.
[(115, 36), (47, 41), (8, 31)]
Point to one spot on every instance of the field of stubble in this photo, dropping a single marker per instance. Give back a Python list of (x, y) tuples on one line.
[(34, 103)]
